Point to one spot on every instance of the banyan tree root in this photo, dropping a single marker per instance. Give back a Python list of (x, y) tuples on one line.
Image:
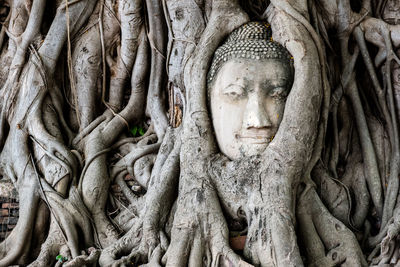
[(199, 234), (146, 240), (385, 243), (337, 194), (197, 191), (96, 180), (126, 41), (322, 232), (203, 233)]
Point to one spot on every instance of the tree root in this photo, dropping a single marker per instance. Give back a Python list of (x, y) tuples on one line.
[(389, 115), (161, 191), (337, 194), (17, 244), (85, 260), (372, 170), (57, 35), (90, 128), (200, 237), (123, 246), (145, 241), (157, 38), (211, 188), (95, 179), (142, 169), (71, 212), (54, 245), (87, 49), (387, 233), (321, 232), (22, 42), (131, 25), (127, 162), (53, 148), (128, 193), (133, 110), (338, 200)]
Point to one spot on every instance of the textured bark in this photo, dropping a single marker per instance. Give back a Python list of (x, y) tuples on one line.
[(106, 135)]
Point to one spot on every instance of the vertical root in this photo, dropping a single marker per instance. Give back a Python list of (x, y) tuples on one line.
[(156, 35), (369, 157), (340, 242), (122, 246), (51, 247), (134, 109), (131, 25), (18, 242), (309, 238)]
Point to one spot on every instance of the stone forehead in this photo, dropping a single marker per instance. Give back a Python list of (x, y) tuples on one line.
[(252, 40)]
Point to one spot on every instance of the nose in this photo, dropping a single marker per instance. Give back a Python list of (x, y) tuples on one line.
[(255, 115)]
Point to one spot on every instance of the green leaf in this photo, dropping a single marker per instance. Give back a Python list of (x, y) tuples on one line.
[(141, 131), (60, 258), (134, 130)]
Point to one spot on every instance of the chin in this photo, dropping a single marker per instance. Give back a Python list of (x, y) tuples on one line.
[(253, 149)]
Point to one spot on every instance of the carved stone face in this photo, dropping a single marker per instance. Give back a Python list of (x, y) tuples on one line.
[(247, 101)]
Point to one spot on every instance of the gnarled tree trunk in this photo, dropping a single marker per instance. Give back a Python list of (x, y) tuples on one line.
[(106, 135)]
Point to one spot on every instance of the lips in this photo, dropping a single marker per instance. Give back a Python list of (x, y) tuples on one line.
[(254, 138)]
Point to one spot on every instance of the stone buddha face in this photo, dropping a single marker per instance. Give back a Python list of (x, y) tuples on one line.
[(247, 95)]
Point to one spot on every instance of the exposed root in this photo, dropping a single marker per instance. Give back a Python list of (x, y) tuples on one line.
[(133, 110), (127, 40), (72, 212), (55, 150), (18, 242), (128, 161), (128, 193), (141, 243), (54, 244), (373, 177), (142, 169), (131, 25), (93, 125), (200, 237), (22, 42), (87, 50), (122, 246), (83, 260), (328, 233), (157, 40)]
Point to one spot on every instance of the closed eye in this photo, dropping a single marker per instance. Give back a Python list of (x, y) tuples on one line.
[(278, 92), (234, 91)]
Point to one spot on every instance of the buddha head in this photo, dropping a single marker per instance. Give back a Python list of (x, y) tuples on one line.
[(248, 82)]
